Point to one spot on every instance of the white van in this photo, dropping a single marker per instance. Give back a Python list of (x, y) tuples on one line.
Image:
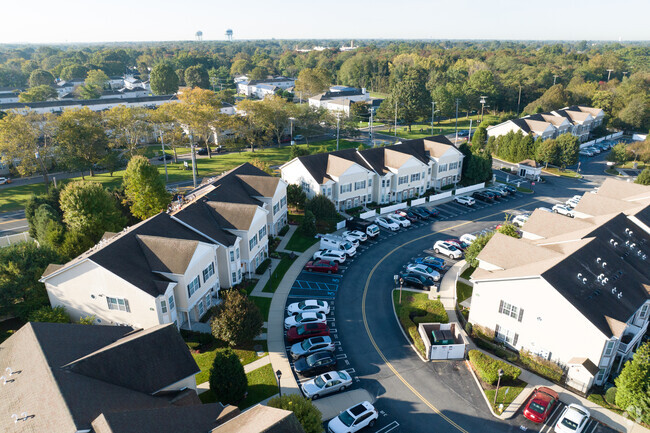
[(339, 243)]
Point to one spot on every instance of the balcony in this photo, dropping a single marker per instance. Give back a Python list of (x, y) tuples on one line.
[(630, 337)]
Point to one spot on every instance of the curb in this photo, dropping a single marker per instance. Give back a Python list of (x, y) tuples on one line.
[(402, 329)]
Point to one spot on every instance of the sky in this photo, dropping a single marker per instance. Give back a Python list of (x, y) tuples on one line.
[(41, 21)]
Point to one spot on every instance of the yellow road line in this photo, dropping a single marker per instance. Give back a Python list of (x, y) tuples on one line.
[(14, 221), (372, 340)]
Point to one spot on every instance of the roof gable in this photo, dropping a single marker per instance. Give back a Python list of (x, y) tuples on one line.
[(167, 255)]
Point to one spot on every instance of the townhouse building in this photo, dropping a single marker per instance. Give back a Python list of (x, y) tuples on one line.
[(261, 88), (352, 178), (339, 99), (93, 104), (571, 290)]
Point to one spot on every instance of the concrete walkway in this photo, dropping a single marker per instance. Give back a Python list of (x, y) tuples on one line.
[(282, 246), (448, 298), (264, 278), (203, 387)]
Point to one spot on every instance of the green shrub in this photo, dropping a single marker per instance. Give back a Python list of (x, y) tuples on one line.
[(543, 367), (610, 395), (309, 417), (263, 267), (49, 314), (488, 367), (283, 231), (228, 380), (197, 339)]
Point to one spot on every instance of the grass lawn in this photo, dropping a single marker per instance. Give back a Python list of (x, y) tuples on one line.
[(444, 127), (467, 273), (630, 164), (524, 189), (463, 291), (272, 285), (366, 124), (261, 385), (599, 399), (15, 197), (564, 173), (264, 304), (300, 242), (379, 95), (612, 171), (205, 359), (417, 308), (506, 395)]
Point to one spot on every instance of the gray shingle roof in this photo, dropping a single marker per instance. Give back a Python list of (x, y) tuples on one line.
[(262, 419)]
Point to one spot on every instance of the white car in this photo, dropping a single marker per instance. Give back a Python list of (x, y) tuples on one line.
[(447, 249), (310, 305), (302, 318), (573, 419), (520, 220), (399, 219), (468, 238), (4, 180), (354, 419), (463, 199), (332, 255), (356, 235), (312, 345), (353, 241), (563, 210), (545, 209), (327, 383), (423, 270), (387, 224)]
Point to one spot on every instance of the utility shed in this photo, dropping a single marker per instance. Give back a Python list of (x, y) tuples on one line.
[(442, 341)]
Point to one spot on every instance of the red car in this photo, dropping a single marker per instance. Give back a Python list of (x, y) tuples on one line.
[(541, 404), (458, 244), (298, 333), (322, 266)]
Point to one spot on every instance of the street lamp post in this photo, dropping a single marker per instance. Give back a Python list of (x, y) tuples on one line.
[(433, 110), (498, 383), (40, 161), (162, 143), (482, 106), (291, 119), (609, 74), (456, 139), (395, 132), (193, 150), (278, 374), (338, 121)]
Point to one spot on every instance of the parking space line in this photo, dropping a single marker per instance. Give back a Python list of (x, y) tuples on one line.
[(389, 428)]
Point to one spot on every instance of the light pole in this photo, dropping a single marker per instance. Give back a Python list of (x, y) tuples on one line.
[(40, 161), (338, 121), (498, 383), (164, 155), (554, 79), (433, 110), (395, 132), (456, 139), (193, 150), (278, 374), (483, 106), (291, 119), (609, 74), (625, 74), (372, 113), (519, 100)]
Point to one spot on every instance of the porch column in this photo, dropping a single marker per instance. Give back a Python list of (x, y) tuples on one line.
[(189, 319)]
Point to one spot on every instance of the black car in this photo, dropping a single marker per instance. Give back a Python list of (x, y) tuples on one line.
[(319, 362), (414, 280), (433, 211), (496, 193), (166, 156), (420, 212), (410, 215), (481, 195), (202, 151)]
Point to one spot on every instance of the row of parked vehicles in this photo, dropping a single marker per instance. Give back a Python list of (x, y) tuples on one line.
[(403, 218), (541, 403), (494, 193), (597, 148)]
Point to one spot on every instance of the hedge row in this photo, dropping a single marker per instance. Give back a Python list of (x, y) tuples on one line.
[(541, 366), (263, 267), (283, 231), (488, 367)]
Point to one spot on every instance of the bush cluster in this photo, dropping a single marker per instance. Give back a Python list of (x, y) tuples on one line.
[(283, 231), (488, 368), (541, 366), (263, 267)]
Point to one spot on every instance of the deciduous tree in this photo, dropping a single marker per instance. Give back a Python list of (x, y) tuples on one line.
[(38, 94), (163, 79), (19, 140), (237, 319), (633, 384), (49, 314), (311, 82), (40, 77), (644, 177), (82, 139), (128, 126), (144, 188), (197, 76)]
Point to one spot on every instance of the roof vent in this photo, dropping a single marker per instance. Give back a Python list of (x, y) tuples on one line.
[(598, 260), (611, 241), (5, 380), (604, 264), (605, 281), (620, 295), (600, 277), (613, 290), (584, 281), (23, 417), (579, 276), (644, 257)]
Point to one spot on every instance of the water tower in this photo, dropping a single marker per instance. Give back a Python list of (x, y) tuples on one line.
[(199, 35), (229, 34)]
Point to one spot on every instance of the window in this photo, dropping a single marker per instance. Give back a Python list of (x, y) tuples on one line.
[(442, 168), (429, 170), (283, 201), (208, 272), (208, 300), (644, 311), (172, 306), (252, 242), (329, 191), (369, 198), (237, 253), (194, 285), (506, 335), (369, 183), (453, 165), (163, 306), (601, 374), (402, 180), (415, 177), (234, 278), (239, 274), (201, 308), (360, 185), (324, 190), (262, 232), (609, 348), (118, 304), (232, 256), (346, 188), (511, 310), (276, 208)]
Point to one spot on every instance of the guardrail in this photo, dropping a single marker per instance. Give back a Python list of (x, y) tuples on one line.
[(8, 240)]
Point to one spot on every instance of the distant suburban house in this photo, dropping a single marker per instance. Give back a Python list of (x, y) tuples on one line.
[(68, 378), (261, 88), (339, 99), (574, 291), (93, 104), (577, 120), (351, 178)]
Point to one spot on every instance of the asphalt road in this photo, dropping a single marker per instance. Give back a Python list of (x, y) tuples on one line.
[(12, 222)]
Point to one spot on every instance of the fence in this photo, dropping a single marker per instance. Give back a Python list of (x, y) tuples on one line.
[(369, 214), (418, 201), (470, 188), (639, 137), (439, 196), (340, 225), (392, 208), (598, 140), (5, 241)]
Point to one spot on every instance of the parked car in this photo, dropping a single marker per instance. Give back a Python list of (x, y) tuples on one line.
[(202, 151), (165, 157), (432, 211), (447, 249), (417, 281), (307, 330), (501, 188), (357, 235), (332, 255), (483, 196), (493, 195), (572, 203), (465, 200), (511, 189), (520, 220), (594, 149), (408, 215), (352, 240), (4, 180), (398, 219), (327, 383), (468, 238), (540, 404), (387, 224), (302, 318), (563, 210), (312, 345), (458, 244), (545, 209), (309, 305), (315, 363), (424, 270), (328, 266), (433, 262), (420, 212), (354, 419), (463, 133), (573, 419), (585, 152), (298, 137), (498, 194)]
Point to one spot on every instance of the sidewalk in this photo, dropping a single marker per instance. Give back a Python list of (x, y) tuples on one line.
[(448, 298), (285, 239)]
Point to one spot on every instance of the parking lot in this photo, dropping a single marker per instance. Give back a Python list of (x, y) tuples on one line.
[(525, 424)]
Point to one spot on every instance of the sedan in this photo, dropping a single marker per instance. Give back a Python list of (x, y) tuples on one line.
[(298, 137), (432, 262), (447, 249), (353, 419), (322, 266), (327, 383), (563, 210), (541, 404), (468, 238), (511, 189), (310, 305), (424, 270), (307, 330), (483, 196), (398, 219), (458, 244), (573, 419), (498, 194), (303, 318), (316, 363), (465, 200), (420, 212), (411, 216), (416, 281), (432, 211), (312, 345), (357, 235), (331, 255), (585, 152), (166, 157), (387, 224)]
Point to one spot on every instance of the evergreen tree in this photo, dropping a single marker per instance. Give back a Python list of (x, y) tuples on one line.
[(228, 381)]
